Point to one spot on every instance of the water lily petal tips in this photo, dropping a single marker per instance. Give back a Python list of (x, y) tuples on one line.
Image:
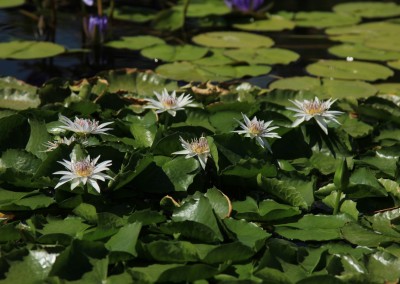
[(244, 5), (197, 147), (319, 110), (258, 129), (88, 2), (82, 172), (169, 103), (83, 126)]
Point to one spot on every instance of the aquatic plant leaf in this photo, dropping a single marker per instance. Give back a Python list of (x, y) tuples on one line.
[(349, 70), (394, 64), (322, 20), (169, 19), (364, 184), (172, 251), (220, 202), (369, 10), (17, 95), (384, 42), (172, 53), (216, 58), (356, 128), (144, 128), (360, 51), (232, 39), (262, 55), (203, 9), (11, 3), (315, 227), (135, 42), (125, 239), (273, 23), (29, 49), (391, 89), (133, 13)]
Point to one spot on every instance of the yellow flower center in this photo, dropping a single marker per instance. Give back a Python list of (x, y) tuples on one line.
[(169, 102), (83, 168), (255, 128), (314, 108), (200, 146)]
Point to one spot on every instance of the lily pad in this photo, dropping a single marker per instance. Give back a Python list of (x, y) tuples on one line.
[(321, 20), (134, 14), (17, 95), (394, 64), (363, 52), (388, 89), (198, 10), (389, 43), (11, 3), (326, 88), (188, 71), (349, 70), (172, 53), (263, 55), (29, 49), (369, 9), (135, 42), (274, 23), (232, 39), (216, 58)]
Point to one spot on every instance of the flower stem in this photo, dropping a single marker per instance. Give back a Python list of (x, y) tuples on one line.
[(99, 7)]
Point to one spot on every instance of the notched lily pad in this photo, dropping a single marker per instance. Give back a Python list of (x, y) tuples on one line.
[(369, 9), (274, 23), (232, 39), (363, 52), (263, 55), (11, 3), (173, 53), (322, 20), (135, 42), (349, 70), (29, 49)]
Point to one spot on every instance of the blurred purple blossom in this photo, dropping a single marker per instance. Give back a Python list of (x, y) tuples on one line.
[(97, 22), (88, 2), (244, 5)]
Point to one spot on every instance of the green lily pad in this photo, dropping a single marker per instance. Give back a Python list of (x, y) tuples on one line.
[(388, 89), (363, 52), (384, 42), (216, 58), (326, 88), (172, 53), (11, 3), (133, 14), (29, 49), (232, 39), (263, 55), (321, 20), (274, 23), (198, 10), (188, 71), (17, 95), (394, 64), (349, 70), (135, 42), (369, 9)]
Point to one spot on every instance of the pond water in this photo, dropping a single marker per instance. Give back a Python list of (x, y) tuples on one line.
[(310, 43)]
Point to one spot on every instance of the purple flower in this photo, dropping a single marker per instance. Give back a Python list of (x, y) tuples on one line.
[(88, 2), (98, 23), (244, 5)]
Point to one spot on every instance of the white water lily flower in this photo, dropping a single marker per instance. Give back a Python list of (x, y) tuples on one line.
[(319, 110), (83, 171), (52, 145), (83, 126), (169, 103), (258, 129), (197, 147)]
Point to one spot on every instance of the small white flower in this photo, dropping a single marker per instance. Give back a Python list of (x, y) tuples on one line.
[(197, 147), (258, 129), (319, 110), (83, 126), (169, 103), (83, 171), (52, 145)]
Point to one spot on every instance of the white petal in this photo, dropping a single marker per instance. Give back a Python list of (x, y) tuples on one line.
[(321, 122)]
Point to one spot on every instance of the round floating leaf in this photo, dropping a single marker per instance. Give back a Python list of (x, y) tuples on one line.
[(388, 88), (232, 39), (349, 70), (363, 52), (29, 49), (216, 58), (11, 3), (134, 14), (169, 19), (188, 71), (275, 23), (326, 88), (135, 42), (205, 9), (18, 95), (369, 9), (322, 20), (384, 42), (172, 53), (263, 55), (394, 64)]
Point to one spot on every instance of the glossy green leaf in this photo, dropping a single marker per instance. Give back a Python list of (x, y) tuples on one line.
[(144, 128), (322, 20), (274, 23), (29, 49), (199, 9), (263, 55), (171, 53), (349, 70), (369, 9), (232, 39), (363, 183), (362, 52), (11, 3), (220, 202), (125, 240), (134, 14), (172, 251), (394, 64), (135, 42), (181, 172), (18, 95), (169, 19)]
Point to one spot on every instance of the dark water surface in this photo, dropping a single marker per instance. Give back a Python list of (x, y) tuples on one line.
[(311, 44)]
